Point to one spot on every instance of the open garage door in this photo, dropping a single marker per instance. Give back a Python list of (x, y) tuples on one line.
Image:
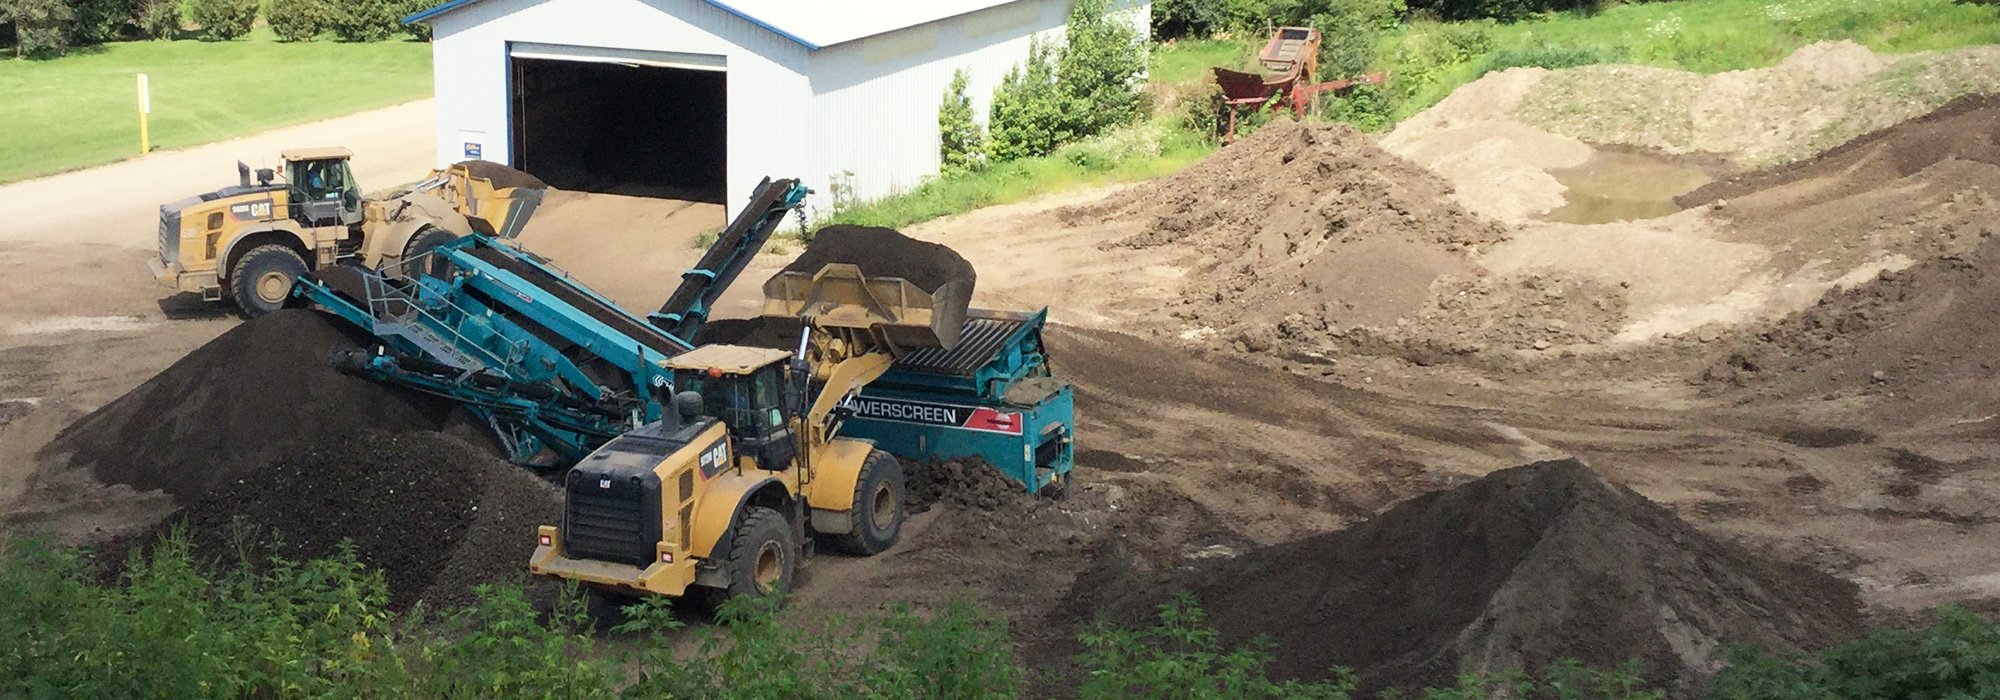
[(627, 122)]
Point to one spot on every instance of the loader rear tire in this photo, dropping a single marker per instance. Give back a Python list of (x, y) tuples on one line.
[(262, 280), (763, 556), (876, 519)]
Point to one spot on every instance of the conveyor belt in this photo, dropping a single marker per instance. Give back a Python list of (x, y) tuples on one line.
[(590, 305), (986, 334)]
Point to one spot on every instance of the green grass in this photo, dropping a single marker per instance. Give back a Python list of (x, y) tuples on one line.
[(80, 110), (1427, 60), (1188, 60), (1135, 153)]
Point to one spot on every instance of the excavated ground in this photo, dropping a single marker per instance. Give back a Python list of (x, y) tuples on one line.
[(1271, 351)]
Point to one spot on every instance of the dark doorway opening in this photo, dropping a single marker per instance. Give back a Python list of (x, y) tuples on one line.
[(619, 128)]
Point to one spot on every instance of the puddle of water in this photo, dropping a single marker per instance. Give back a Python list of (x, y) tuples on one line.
[(64, 324), (1623, 187)]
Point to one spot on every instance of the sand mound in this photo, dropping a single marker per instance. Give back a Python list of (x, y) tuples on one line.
[(501, 175), (1308, 219), (1515, 570), (881, 252), (259, 391), (1928, 330), (435, 515)]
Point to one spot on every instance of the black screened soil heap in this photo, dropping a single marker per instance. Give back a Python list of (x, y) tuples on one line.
[(881, 252), (966, 482), (1518, 569), (781, 332), (434, 514), (501, 175), (257, 392)]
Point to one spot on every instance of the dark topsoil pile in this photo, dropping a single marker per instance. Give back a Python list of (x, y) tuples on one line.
[(881, 252), (258, 392), (1515, 570), (1966, 129), (961, 483), (1928, 330), (434, 514), (1304, 220)]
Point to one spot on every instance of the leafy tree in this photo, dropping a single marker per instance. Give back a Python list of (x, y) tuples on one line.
[(222, 20), (39, 26), (98, 21), (421, 31), (160, 19), (299, 20), (961, 144)]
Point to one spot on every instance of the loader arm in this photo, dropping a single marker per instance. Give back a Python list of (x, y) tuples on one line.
[(841, 382)]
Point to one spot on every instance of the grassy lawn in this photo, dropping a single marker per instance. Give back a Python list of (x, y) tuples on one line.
[(80, 110)]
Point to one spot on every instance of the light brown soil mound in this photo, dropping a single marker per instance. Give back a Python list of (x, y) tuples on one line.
[(1515, 570), (261, 390), (1303, 218)]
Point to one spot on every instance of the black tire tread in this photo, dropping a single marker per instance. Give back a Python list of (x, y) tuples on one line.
[(854, 541), (743, 543), (242, 288)]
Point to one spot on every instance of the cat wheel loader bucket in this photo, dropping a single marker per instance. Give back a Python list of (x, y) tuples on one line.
[(889, 312)]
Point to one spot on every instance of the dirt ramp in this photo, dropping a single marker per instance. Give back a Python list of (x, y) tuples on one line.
[(1966, 129), (1925, 336), (1515, 570), (259, 391), (434, 514), (1303, 219)]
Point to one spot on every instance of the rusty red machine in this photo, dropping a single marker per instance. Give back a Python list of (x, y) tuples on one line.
[(1291, 63)]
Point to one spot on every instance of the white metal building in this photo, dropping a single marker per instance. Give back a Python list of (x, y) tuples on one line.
[(700, 99)]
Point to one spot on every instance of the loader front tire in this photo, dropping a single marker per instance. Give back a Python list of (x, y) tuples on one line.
[(879, 501), (763, 556), (427, 239), (262, 280)]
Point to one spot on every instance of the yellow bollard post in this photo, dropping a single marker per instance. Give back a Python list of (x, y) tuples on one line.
[(145, 108)]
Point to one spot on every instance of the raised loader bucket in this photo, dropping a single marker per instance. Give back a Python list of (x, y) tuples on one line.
[(496, 200), (891, 310)]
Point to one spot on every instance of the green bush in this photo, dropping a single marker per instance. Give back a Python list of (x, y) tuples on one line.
[(961, 144), (1957, 657), (365, 20), (160, 19), (1026, 118), (40, 26), (1183, 658), (299, 20), (99, 21), (222, 20), (421, 31)]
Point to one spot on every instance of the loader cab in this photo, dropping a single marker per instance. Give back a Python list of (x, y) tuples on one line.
[(322, 188), (744, 387)]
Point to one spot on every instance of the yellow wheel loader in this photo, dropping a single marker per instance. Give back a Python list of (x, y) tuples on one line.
[(747, 466), (251, 241)]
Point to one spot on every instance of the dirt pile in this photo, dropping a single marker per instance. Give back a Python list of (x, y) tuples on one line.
[(1303, 219), (1514, 570), (1926, 330), (434, 514), (881, 252), (257, 392), (961, 483), (781, 332)]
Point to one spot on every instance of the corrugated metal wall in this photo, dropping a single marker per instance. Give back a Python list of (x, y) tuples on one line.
[(868, 106)]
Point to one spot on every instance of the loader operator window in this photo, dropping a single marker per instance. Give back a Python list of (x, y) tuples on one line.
[(748, 405)]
